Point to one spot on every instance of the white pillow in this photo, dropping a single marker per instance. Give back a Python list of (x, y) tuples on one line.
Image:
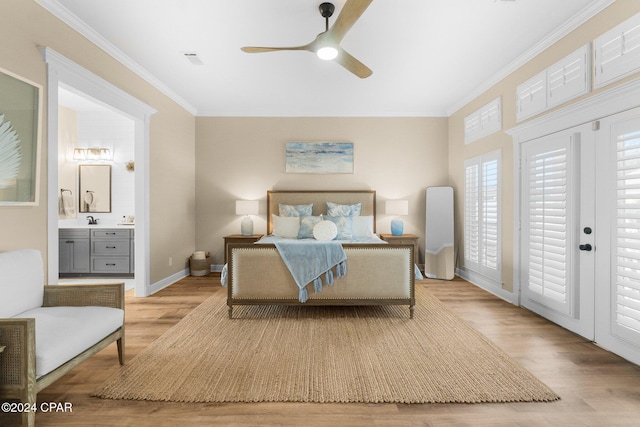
[(362, 227), (286, 226), (325, 230)]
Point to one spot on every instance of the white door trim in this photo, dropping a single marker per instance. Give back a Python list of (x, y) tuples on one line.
[(61, 70)]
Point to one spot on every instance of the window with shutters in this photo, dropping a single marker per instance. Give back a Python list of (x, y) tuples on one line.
[(627, 255), (482, 207), (565, 80), (484, 121), (617, 52)]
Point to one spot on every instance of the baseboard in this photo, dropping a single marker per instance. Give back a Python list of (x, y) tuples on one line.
[(488, 285), (167, 281)]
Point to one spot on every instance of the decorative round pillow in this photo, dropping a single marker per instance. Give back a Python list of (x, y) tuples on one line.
[(325, 230)]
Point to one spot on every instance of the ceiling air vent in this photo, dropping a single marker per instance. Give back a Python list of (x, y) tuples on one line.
[(193, 58)]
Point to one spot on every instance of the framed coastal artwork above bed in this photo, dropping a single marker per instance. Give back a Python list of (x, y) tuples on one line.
[(20, 120), (319, 157)]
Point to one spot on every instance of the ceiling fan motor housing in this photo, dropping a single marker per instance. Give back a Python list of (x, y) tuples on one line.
[(326, 9)]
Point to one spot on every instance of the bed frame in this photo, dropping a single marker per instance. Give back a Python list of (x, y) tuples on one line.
[(377, 274)]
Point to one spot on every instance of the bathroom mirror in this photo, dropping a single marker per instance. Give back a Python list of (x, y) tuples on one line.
[(439, 254), (95, 188)]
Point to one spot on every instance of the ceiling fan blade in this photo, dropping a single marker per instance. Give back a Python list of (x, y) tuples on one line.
[(259, 49), (348, 16), (352, 64)]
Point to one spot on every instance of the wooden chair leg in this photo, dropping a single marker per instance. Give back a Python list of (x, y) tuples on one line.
[(120, 343)]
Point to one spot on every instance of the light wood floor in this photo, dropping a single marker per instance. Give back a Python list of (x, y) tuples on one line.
[(597, 388)]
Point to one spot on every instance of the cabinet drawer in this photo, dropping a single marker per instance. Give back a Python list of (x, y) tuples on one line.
[(110, 247), (73, 233), (403, 242), (109, 234), (110, 265)]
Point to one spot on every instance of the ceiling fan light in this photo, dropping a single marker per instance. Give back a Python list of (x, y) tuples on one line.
[(327, 53)]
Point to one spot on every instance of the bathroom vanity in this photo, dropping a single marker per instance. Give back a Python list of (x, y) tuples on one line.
[(96, 251)]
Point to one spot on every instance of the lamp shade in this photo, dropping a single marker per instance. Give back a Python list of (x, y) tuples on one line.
[(396, 207), (246, 207)]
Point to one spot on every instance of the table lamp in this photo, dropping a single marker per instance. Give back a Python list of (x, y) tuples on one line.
[(397, 207), (248, 208)]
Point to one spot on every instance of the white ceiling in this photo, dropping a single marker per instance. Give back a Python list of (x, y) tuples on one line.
[(429, 57)]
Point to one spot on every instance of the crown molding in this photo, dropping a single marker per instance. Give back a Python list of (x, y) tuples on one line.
[(62, 13), (580, 18), (322, 114)]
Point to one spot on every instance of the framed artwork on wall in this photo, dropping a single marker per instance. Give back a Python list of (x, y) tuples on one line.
[(319, 157), (20, 124)]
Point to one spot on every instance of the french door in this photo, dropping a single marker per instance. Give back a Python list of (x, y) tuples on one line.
[(580, 230), (558, 230), (618, 212)]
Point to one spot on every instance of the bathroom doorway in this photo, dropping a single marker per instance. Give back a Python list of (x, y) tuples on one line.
[(68, 76), (96, 160)]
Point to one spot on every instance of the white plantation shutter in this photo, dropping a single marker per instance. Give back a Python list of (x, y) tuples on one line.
[(547, 202), (491, 117), (569, 77), (472, 127), (484, 121), (627, 255), (489, 236), (472, 214), (617, 52), (482, 248), (531, 96)]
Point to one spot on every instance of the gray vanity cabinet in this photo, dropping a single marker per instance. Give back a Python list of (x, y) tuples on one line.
[(73, 250), (99, 251)]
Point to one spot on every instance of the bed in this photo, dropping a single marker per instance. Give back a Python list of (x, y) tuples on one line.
[(376, 273)]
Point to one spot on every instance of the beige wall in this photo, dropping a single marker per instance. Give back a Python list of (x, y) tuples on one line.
[(242, 158), (24, 27), (67, 140), (458, 151)]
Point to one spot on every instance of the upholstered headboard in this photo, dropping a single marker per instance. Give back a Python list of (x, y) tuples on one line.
[(319, 198)]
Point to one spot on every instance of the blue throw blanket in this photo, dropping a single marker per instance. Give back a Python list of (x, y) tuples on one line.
[(308, 260)]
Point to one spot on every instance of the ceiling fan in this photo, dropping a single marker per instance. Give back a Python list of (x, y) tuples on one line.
[(327, 44)]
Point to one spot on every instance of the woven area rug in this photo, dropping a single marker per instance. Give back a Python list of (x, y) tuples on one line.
[(324, 354)]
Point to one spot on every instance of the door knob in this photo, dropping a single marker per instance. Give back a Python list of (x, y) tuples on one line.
[(586, 247)]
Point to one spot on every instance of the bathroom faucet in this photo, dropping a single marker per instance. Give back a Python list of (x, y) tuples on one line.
[(92, 220)]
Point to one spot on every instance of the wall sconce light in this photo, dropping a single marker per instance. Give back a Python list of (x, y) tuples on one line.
[(397, 207), (94, 153), (246, 207)]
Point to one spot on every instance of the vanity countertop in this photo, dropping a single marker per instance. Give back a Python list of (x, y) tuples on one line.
[(99, 226)]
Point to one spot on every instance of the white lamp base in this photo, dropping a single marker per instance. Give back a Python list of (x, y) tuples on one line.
[(246, 226)]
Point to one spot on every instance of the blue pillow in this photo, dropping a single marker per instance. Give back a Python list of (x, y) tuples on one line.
[(335, 209), (344, 225), (295, 210), (306, 226)]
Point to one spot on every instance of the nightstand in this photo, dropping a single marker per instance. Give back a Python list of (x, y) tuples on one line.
[(239, 238), (405, 239)]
